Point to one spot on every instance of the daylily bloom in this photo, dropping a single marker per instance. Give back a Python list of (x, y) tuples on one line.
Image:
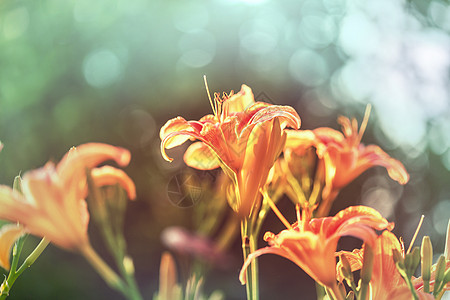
[(243, 137), (302, 168), (386, 282), (345, 158), (9, 234), (311, 244), (385, 276), (53, 201)]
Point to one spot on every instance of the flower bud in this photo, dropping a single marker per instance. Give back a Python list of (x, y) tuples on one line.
[(414, 261), (17, 185), (350, 296), (366, 270), (346, 269), (440, 269), (440, 275), (426, 252)]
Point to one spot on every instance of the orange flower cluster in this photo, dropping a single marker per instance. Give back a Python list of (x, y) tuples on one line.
[(251, 143)]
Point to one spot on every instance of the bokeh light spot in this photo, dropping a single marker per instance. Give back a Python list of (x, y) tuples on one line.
[(308, 67), (190, 17), (101, 68), (15, 23), (441, 215), (358, 35), (317, 31), (198, 48), (258, 37)]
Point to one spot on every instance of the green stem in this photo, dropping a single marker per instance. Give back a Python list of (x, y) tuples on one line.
[(116, 246), (249, 244), (412, 289), (130, 280), (13, 274), (108, 275), (33, 256), (320, 291)]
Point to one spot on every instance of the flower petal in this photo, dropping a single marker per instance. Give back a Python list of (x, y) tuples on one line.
[(287, 115), (201, 157), (374, 155), (9, 233), (259, 252), (108, 175), (89, 155), (240, 101), (359, 215), (264, 145), (60, 214)]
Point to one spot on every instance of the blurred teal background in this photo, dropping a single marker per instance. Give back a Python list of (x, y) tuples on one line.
[(115, 71)]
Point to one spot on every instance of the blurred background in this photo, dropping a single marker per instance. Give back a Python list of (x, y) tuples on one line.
[(115, 71)]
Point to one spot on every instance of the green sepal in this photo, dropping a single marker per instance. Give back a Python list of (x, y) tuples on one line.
[(17, 184)]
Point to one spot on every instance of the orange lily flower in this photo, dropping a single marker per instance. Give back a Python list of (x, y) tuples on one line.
[(386, 282), (53, 200), (243, 137), (385, 277), (345, 158), (311, 244), (9, 234)]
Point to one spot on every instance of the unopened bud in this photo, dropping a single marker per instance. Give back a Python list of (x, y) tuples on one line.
[(440, 274), (398, 258), (350, 296), (366, 270), (17, 185), (426, 252), (415, 260), (440, 269), (346, 269), (342, 288), (128, 265), (446, 276)]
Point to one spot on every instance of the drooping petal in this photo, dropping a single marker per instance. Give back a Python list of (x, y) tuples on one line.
[(171, 135), (9, 234), (373, 155), (201, 157), (356, 215), (89, 155), (259, 252), (108, 175), (287, 116)]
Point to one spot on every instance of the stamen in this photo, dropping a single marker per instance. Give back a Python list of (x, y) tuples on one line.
[(297, 210), (447, 242), (275, 210), (365, 121), (402, 244), (415, 234), (209, 95)]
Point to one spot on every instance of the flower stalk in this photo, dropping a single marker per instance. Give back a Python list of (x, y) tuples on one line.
[(14, 273)]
